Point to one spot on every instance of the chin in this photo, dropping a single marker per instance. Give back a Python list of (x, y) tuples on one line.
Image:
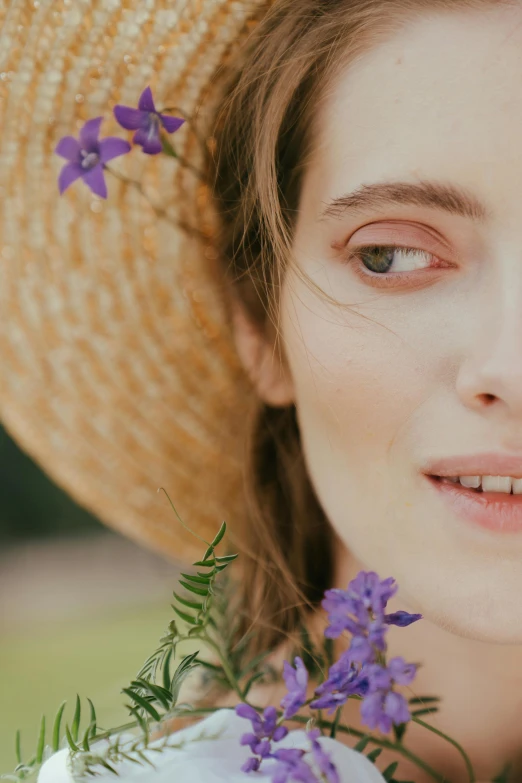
[(494, 619)]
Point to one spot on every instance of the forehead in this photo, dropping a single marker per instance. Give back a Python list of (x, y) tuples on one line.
[(441, 99)]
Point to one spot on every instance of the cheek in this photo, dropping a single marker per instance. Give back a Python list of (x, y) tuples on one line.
[(356, 383)]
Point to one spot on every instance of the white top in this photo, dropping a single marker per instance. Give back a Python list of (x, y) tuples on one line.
[(209, 752)]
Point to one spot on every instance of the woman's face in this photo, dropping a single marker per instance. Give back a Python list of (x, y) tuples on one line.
[(424, 363)]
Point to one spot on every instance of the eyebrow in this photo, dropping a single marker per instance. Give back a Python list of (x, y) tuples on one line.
[(435, 195)]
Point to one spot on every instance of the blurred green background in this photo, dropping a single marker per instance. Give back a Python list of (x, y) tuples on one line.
[(81, 607)]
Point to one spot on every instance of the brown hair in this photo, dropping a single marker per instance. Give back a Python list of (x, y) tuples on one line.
[(264, 137)]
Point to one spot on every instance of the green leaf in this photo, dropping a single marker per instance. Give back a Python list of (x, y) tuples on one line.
[(221, 567), (190, 604), (18, 746), (389, 771), (70, 740), (93, 718), (185, 667), (362, 744), (159, 693), (423, 699), (503, 777), (75, 728), (219, 537), (168, 149), (374, 755), (399, 731), (147, 706), (199, 580), (251, 681), (85, 741), (41, 742), (207, 563), (56, 727), (427, 711), (106, 764), (186, 617), (166, 670), (226, 558), (197, 590)]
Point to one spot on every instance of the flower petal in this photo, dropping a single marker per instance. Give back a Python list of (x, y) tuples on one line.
[(68, 147), (129, 118), (171, 124), (89, 134), (69, 174), (150, 143), (112, 147), (96, 181), (146, 101)]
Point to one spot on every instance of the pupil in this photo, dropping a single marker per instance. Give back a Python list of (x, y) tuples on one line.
[(380, 259)]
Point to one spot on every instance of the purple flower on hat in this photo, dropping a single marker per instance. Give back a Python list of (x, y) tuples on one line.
[(322, 758), (296, 682), (147, 122), (87, 157), (265, 731)]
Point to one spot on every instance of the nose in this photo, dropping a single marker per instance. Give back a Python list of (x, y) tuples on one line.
[(490, 377)]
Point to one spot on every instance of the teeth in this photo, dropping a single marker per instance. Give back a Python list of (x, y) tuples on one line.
[(493, 483), (473, 482), (496, 484)]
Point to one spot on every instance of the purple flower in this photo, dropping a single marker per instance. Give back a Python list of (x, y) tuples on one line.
[(88, 156), (291, 767), (325, 764), (147, 122), (344, 679), (365, 599), (382, 706), (297, 683), (401, 618), (265, 731)]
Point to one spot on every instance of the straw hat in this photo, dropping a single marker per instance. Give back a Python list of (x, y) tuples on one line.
[(118, 369)]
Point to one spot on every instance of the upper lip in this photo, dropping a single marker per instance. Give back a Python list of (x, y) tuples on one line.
[(486, 464)]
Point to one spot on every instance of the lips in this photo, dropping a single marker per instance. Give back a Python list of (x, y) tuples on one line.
[(485, 464), (498, 512)]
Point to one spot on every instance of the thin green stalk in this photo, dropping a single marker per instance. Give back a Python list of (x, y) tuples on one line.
[(226, 668), (401, 749), (469, 766)]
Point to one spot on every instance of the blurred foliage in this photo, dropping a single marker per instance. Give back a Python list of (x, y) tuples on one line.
[(31, 505), (94, 655)]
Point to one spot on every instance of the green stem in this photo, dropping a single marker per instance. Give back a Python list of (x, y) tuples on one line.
[(469, 766), (401, 749), (160, 211), (226, 668)]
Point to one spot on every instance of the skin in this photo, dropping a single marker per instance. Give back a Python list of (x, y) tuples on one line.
[(430, 368)]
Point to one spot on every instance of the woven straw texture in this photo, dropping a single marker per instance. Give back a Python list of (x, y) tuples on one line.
[(118, 372)]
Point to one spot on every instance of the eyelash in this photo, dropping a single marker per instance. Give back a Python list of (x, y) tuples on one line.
[(388, 279)]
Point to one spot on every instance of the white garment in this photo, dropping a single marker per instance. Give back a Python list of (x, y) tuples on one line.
[(209, 752)]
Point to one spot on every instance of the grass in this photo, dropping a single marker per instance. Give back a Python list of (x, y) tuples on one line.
[(94, 656)]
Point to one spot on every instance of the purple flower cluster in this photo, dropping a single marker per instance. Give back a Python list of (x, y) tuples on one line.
[(359, 671), (290, 764), (264, 731), (87, 156)]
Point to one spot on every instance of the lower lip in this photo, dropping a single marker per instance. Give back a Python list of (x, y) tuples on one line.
[(496, 511)]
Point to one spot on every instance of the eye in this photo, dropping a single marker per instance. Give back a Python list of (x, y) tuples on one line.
[(380, 259), (390, 264)]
